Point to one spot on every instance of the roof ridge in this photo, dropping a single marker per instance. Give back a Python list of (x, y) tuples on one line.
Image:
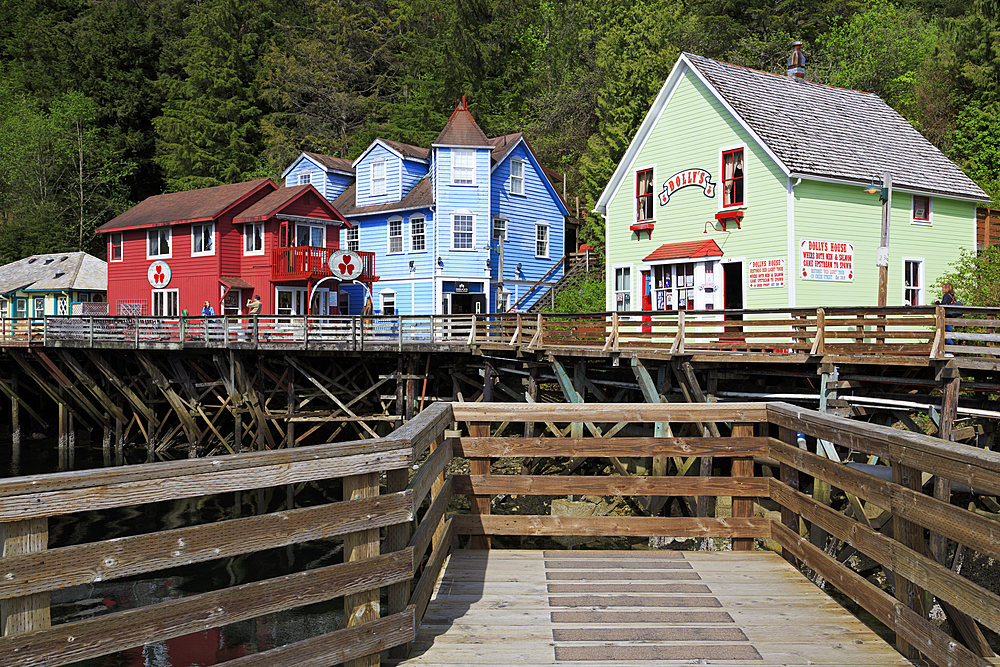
[(781, 76)]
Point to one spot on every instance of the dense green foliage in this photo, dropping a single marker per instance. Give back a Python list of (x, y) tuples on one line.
[(105, 103), (976, 277)]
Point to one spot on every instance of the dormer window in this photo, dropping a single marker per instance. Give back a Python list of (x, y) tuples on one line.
[(49, 260), (378, 178), (305, 178), (463, 166)]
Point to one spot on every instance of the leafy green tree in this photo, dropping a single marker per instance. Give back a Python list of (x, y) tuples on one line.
[(976, 277), (976, 145)]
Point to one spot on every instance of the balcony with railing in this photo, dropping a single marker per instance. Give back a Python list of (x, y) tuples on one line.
[(311, 263)]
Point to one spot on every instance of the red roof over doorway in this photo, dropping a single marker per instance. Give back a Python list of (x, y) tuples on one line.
[(708, 248)]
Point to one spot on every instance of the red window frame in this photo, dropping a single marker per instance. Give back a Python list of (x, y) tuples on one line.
[(116, 250), (735, 184), (644, 194), (927, 208)]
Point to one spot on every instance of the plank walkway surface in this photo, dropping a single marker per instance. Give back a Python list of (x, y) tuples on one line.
[(588, 608)]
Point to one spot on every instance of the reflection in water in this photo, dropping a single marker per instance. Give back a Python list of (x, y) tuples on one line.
[(202, 648)]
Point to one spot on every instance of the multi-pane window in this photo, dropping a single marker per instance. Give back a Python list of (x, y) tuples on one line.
[(253, 238), (516, 177), (623, 288), (503, 301), (461, 225), (733, 178), (378, 178), (541, 240), (500, 229), (165, 303), (354, 238), (116, 252), (644, 195), (418, 235), (913, 283), (463, 166), (159, 242), (39, 306), (305, 178), (921, 209), (388, 299), (395, 236), (310, 235), (673, 287), (202, 239)]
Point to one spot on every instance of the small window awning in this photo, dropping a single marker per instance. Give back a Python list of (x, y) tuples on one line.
[(668, 251), (235, 283)]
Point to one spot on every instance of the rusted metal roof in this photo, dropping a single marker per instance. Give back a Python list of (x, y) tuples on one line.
[(189, 206)]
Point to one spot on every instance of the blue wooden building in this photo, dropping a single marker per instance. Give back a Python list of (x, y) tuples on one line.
[(469, 225)]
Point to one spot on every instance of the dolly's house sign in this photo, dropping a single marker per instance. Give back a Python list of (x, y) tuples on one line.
[(158, 274), (683, 179)]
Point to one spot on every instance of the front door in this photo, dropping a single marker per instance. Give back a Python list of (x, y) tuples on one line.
[(165, 303), (732, 293), (464, 304), (292, 301)]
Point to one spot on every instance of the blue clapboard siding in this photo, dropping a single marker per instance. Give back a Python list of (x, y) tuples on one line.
[(464, 199), (329, 183), (538, 204), (413, 170), (379, 153), (335, 185)]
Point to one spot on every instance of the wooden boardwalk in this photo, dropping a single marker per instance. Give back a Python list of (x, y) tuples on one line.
[(589, 608)]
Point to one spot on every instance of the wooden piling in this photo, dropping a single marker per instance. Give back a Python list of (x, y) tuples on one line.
[(361, 608)]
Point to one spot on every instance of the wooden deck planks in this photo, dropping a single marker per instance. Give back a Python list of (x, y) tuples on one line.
[(749, 608)]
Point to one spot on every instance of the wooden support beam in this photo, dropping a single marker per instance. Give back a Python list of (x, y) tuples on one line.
[(790, 477), (911, 535), (88, 381), (742, 467), (12, 391), (68, 386), (363, 607), (309, 376), (479, 505), (49, 390), (138, 404), (29, 612), (177, 404)]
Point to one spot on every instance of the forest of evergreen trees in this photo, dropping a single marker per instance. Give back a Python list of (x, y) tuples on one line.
[(106, 102)]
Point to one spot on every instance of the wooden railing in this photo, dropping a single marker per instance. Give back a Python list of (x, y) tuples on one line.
[(922, 331), (32, 571), (305, 262), (750, 438)]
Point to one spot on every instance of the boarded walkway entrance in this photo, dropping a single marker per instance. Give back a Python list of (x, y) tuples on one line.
[(646, 608)]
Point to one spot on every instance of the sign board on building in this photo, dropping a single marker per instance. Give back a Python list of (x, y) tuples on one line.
[(767, 273), (158, 274), (827, 260), (461, 288), (682, 179), (345, 264)]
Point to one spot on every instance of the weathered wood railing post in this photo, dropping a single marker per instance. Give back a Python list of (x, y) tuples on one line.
[(397, 536), (742, 467), (361, 608), (790, 477), (31, 612), (911, 535), (479, 505)]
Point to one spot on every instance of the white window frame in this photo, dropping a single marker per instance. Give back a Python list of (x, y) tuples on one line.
[(387, 296), (353, 238), (472, 243), (921, 287), (459, 167), (170, 243), (539, 226), (421, 222), (249, 233), (111, 246), (394, 224), (305, 178), (517, 182), (503, 300), (626, 292), (378, 181), (718, 179), (34, 306), (165, 295), (311, 227), (197, 230), (499, 224), (929, 222), (20, 306)]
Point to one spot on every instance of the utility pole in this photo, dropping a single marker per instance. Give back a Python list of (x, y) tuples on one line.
[(882, 255)]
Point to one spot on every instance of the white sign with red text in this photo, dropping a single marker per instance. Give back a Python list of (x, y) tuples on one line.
[(827, 260), (767, 273)]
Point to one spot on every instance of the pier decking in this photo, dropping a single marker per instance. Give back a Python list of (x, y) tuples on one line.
[(590, 608)]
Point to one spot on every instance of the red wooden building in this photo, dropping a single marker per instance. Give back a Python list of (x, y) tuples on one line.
[(224, 244)]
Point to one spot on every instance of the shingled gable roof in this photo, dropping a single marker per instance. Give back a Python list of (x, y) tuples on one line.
[(273, 204), (405, 151), (53, 272), (462, 130), (420, 196), (812, 130), (175, 208), (327, 162)]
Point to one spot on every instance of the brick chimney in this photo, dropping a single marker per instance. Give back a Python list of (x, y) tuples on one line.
[(797, 63)]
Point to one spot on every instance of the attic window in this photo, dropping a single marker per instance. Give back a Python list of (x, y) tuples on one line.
[(60, 273)]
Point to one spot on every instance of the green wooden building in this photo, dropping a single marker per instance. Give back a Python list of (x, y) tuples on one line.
[(744, 189)]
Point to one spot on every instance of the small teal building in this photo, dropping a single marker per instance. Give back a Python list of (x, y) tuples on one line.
[(60, 283), (469, 225)]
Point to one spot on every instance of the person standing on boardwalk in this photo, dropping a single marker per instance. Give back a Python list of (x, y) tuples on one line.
[(253, 307), (948, 299)]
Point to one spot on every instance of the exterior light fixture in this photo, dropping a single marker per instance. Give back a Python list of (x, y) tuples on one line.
[(440, 262), (412, 267), (880, 188)]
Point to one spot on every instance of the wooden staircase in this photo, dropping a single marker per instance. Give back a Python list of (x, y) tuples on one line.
[(577, 264)]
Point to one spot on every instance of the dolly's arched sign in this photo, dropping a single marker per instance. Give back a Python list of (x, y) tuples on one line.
[(158, 274), (683, 179), (345, 264)]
